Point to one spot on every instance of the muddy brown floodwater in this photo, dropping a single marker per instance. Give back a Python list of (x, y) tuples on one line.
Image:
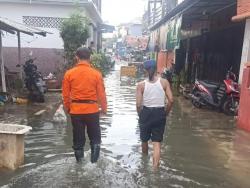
[(201, 148)]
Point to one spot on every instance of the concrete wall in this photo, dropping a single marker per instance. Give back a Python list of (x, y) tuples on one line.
[(245, 49), (243, 7), (47, 60), (11, 151), (243, 117), (243, 11)]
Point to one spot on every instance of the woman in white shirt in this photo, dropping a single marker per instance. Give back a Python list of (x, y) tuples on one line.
[(154, 100)]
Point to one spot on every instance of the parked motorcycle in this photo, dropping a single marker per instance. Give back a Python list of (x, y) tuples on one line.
[(224, 96), (168, 74), (34, 82), (185, 90)]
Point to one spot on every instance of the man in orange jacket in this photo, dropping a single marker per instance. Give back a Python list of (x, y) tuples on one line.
[(83, 91)]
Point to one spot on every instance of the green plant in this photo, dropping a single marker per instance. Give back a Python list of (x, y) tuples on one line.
[(74, 32), (183, 76), (101, 62), (96, 61)]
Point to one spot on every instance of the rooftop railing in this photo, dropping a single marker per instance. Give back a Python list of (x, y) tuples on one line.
[(157, 14)]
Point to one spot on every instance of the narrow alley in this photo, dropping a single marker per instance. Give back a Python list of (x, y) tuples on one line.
[(201, 148)]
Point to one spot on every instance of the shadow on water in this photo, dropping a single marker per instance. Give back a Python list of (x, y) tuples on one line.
[(195, 153)]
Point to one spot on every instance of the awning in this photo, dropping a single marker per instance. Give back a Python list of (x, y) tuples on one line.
[(105, 28), (13, 27), (203, 9)]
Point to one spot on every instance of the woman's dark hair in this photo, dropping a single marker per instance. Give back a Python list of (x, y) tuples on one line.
[(151, 72)]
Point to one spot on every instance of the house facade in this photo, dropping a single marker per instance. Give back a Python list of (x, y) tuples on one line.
[(47, 15), (132, 29), (198, 36)]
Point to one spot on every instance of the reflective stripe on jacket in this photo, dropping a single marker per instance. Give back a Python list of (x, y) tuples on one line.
[(83, 83)]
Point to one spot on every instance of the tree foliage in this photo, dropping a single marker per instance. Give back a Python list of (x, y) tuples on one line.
[(74, 32), (101, 62)]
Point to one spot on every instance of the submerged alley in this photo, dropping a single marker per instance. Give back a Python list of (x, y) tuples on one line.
[(201, 148)]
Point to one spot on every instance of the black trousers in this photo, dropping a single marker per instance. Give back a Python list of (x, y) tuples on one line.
[(91, 122)]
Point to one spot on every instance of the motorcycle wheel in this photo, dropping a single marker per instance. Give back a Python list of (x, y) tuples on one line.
[(230, 106), (41, 98), (196, 103)]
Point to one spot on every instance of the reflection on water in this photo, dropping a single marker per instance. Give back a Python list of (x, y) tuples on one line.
[(190, 156)]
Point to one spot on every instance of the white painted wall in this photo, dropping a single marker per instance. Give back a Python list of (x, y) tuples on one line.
[(16, 12), (245, 50)]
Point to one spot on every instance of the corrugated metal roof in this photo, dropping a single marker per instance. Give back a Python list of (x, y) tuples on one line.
[(13, 27)]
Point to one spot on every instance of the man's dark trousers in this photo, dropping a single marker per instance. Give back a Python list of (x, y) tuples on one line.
[(91, 122)]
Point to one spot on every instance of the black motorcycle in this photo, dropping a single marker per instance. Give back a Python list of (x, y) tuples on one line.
[(168, 74), (34, 82)]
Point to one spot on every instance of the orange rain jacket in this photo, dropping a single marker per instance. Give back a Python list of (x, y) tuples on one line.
[(83, 83)]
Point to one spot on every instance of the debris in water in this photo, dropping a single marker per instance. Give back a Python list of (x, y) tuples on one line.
[(60, 115), (39, 112)]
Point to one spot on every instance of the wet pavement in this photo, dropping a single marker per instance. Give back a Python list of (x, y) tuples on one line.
[(201, 148)]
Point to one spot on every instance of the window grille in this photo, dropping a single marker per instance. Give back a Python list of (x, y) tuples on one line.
[(45, 22)]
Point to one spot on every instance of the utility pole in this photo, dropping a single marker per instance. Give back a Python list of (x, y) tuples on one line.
[(4, 89), (19, 54)]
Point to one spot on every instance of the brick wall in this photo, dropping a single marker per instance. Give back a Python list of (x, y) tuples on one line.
[(243, 7)]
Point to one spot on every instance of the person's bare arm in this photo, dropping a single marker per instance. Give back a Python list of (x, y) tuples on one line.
[(169, 96), (139, 96)]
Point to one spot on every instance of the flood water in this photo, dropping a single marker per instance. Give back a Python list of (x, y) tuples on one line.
[(200, 148)]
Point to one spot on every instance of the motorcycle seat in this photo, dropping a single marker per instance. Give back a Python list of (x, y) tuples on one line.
[(212, 86)]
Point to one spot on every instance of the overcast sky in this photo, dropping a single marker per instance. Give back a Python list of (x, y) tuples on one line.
[(121, 11)]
